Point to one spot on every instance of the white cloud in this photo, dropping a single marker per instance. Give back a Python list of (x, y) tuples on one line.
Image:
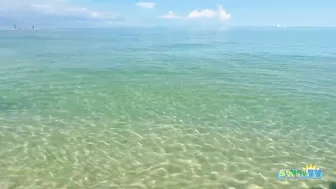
[(26, 4), (206, 13), (170, 15), (66, 9), (147, 5), (220, 14), (55, 8), (223, 15)]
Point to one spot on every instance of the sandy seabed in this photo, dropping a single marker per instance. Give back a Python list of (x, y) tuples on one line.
[(158, 154)]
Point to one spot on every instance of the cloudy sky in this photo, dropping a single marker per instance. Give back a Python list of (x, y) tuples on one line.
[(196, 13)]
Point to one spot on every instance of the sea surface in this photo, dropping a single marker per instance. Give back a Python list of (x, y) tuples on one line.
[(166, 109)]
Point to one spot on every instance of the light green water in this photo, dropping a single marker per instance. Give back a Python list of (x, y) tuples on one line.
[(84, 116)]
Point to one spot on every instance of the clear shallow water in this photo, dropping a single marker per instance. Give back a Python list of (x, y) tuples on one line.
[(166, 109)]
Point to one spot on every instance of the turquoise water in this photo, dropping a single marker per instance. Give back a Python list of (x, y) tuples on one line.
[(158, 108)]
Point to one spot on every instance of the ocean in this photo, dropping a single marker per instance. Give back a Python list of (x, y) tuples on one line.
[(134, 108)]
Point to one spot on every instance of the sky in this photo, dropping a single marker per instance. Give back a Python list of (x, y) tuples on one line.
[(167, 13)]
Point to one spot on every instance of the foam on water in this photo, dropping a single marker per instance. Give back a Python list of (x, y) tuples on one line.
[(144, 114)]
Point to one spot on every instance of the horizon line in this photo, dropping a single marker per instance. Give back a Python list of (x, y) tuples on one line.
[(166, 27)]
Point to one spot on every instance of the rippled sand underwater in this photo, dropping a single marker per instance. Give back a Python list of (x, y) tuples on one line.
[(156, 118)]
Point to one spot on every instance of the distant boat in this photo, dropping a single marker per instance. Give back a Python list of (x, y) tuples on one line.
[(33, 27), (15, 28)]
